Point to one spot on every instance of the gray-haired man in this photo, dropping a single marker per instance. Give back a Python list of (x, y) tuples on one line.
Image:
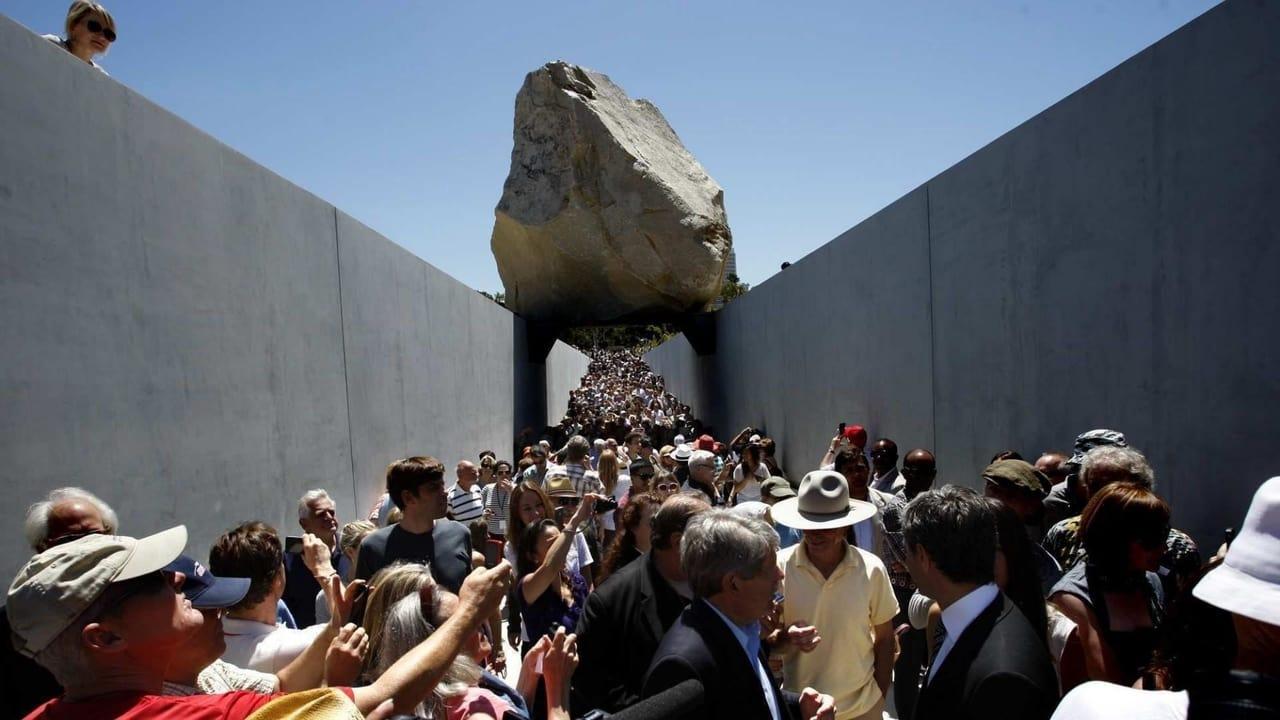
[(731, 564), (317, 515)]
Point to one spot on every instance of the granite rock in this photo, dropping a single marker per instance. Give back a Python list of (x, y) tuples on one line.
[(605, 216)]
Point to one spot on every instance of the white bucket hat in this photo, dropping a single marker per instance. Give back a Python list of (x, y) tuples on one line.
[(823, 503), (1248, 581)]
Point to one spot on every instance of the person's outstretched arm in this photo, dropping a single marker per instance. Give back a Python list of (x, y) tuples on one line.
[(548, 572)]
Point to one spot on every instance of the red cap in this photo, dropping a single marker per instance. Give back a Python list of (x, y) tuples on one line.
[(705, 442), (856, 435)]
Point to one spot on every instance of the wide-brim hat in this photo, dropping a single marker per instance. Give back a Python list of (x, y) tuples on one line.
[(1248, 580), (822, 503), (559, 485)]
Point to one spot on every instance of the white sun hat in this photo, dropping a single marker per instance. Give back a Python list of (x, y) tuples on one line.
[(1248, 581), (822, 503)]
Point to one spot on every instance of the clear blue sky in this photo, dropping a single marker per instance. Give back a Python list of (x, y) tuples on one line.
[(811, 117)]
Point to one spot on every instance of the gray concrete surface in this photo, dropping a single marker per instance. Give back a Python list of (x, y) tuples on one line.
[(1110, 262), (198, 340), (565, 368)]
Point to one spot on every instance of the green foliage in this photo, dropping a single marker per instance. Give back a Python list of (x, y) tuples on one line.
[(498, 297), (732, 288), (639, 337)]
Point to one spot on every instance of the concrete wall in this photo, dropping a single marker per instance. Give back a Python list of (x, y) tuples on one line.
[(199, 341), (1110, 262), (565, 368)]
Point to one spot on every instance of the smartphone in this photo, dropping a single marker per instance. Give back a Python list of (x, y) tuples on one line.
[(840, 430), (606, 505), (293, 544), (1228, 536)]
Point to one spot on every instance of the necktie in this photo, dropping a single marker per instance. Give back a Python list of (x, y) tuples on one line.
[(939, 637)]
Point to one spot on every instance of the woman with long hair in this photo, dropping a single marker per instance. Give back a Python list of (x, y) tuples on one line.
[(1114, 595), (615, 485), (550, 595), (1015, 571), (389, 585), (530, 505), (634, 537)]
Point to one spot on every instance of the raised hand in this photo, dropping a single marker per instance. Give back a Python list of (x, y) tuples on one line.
[(316, 556), (345, 657), (483, 590), (341, 599)]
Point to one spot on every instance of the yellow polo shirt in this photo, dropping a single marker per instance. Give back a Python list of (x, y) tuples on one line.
[(844, 608)]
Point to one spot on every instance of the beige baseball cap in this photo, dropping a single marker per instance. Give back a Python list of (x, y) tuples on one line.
[(58, 585)]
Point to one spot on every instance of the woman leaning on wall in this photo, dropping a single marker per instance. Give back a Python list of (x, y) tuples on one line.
[(89, 29)]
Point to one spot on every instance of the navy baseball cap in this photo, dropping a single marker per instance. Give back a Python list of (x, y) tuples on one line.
[(205, 590)]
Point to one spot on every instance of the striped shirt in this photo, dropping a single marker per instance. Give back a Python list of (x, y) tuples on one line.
[(499, 503), (466, 505)]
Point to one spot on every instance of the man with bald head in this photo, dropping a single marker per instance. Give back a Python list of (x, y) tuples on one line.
[(466, 499), (65, 514), (884, 467)]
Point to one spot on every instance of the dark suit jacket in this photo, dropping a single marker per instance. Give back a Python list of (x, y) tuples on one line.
[(618, 633), (998, 668), (701, 647)]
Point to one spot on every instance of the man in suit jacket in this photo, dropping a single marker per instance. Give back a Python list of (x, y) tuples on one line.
[(626, 617), (988, 663), (731, 563)]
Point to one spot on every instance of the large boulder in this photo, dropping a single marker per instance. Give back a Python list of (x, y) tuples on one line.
[(604, 217)]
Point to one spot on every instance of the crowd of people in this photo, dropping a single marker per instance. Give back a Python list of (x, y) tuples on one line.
[(639, 564), (677, 577)]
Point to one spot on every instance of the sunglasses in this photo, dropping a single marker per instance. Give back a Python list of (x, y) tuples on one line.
[(646, 477), (119, 593), (668, 487), (96, 28)]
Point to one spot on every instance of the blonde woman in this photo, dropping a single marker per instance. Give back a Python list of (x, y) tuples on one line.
[(615, 485), (90, 30), (349, 539), (390, 585)]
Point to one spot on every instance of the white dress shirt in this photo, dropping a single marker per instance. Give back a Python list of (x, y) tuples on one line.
[(265, 648), (960, 615)]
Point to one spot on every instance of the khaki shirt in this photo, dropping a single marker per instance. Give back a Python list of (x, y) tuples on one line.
[(844, 608)]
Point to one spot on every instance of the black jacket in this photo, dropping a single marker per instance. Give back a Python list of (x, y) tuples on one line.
[(701, 647), (618, 633), (998, 668)]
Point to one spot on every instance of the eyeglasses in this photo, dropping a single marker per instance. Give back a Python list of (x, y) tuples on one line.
[(96, 28)]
